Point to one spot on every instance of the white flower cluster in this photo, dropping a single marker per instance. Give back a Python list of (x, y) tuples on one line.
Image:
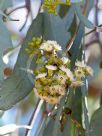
[(53, 75), (50, 46)]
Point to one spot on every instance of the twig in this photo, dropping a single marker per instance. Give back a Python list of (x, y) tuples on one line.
[(25, 22), (93, 30), (34, 115), (28, 7), (14, 10)]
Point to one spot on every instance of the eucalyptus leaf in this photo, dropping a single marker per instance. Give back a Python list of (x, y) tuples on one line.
[(63, 10), (57, 126), (76, 44), (96, 123), (74, 52), (82, 18), (50, 127), (54, 29), (5, 42), (67, 14), (79, 35), (68, 19), (90, 4), (59, 111), (76, 105), (18, 85), (76, 101), (69, 128)]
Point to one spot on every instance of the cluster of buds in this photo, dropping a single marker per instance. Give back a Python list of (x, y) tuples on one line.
[(53, 74), (51, 5)]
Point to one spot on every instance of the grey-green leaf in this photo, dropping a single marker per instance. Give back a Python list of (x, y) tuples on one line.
[(76, 44), (48, 131), (5, 42), (82, 18), (69, 129), (18, 85), (96, 123), (76, 105), (54, 28), (68, 19)]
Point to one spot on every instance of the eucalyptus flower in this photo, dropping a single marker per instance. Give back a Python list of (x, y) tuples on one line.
[(68, 72), (51, 67), (51, 5), (41, 75), (79, 73), (65, 60), (57, 89), (53, 74), (57, 47), (80, 64), (48, 98), (77, 83), (52, 100), (61, 78), (88, 71), (50, 46)]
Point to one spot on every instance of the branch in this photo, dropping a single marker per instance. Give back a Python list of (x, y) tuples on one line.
[(93, 30), (20, 7), (33, 116)]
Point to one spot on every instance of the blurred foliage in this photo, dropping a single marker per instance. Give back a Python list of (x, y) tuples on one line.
[(68, 29)]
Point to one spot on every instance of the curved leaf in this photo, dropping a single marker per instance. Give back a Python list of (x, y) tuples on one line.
[(54, 29), (5, 42), (76, 44), (77, 105), (68, 19), (63, 10), (96, 123), (90, 4), (50, 127), (82, 18), (70, 129), (18, 85)]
